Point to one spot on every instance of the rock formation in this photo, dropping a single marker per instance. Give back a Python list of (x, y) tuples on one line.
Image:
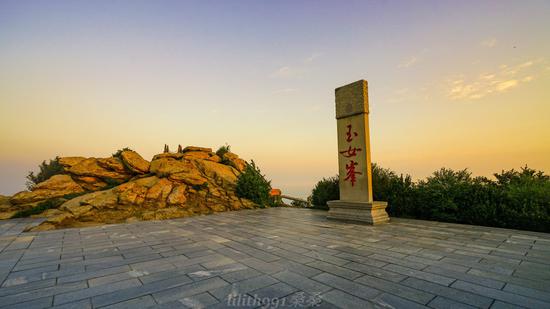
[(126, 187)]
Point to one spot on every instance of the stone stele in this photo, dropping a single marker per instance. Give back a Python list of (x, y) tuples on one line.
[(354, 159)]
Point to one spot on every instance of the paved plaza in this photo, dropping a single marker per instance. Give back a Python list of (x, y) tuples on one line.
[(278, 257)]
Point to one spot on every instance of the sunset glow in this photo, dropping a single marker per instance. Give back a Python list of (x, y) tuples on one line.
[(451, 84)]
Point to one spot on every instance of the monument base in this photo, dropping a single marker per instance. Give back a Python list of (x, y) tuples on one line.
[(363, 212)]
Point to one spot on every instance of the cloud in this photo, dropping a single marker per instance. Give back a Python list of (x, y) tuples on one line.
[(503, 86), (284, 72), (298, 70), (505, 78), (489, 43), (409, 62), (312, 57)]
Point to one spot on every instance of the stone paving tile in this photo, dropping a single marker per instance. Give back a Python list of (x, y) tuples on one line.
[(344, 300), (500, 295), (396, 289), (474, 300), (44, 302), (277, 255), (445, 303), (336, 270), (60, 299), (189, 290), (300, 282), (392, 301), (420, 274), (348, 286), (136, 303), (196, 301), (242, 287)]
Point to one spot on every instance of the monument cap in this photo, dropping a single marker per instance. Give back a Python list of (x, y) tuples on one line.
[(352, 99)]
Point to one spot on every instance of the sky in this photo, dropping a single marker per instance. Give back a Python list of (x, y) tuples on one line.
[(457, 84)]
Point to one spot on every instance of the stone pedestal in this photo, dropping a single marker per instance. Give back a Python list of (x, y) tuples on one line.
[(354, 158), (362, 212)]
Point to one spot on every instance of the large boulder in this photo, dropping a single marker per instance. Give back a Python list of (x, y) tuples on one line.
[(177, 170), (195, 148), (234, 161), (90, 183), (68, 162), (135, 162), (158, 193), (106, 169), (55, 186), (223, 175), (177, 196)]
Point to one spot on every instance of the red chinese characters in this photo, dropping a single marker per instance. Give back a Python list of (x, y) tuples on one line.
[(351, 152), (349, 136)]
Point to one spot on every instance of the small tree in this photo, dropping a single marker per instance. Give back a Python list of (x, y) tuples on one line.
[(47, 170), (325, 190), (252, 185)]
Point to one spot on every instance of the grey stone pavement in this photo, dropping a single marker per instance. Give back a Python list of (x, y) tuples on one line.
[(273, 258)]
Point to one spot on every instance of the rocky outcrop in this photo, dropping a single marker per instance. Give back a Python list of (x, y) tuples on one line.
[(126, 188), (56, 186), (134, 162)]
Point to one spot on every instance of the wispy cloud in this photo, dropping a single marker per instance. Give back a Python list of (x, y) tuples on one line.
[(297, 70), (312, 57), (505, 78), (490, 43), (409, 62), (285, 72)]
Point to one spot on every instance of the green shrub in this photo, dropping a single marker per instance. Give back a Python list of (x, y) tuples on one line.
[(515, 199), (40, 207), (200, 187), (118, 153), (252, 185), (221, 151), (327, 189), (300, 204), (47, 170)]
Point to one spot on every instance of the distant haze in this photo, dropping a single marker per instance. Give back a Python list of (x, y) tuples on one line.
[(460, 84)]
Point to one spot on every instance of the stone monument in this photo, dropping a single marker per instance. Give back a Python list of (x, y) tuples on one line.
[(354, 159)]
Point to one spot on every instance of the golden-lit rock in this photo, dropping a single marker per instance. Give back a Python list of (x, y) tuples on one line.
[(158, 193), (7, 214), (91, 167), (84, 203), (192, 179), (234, 161), (164, 167), (177, 196), (195, 148), (90, 183), (196, 155), (214, 158), (173, 155), (223, 175), (113, 164), (60, 219), (135, 162), (68, 162), (56, 186)]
